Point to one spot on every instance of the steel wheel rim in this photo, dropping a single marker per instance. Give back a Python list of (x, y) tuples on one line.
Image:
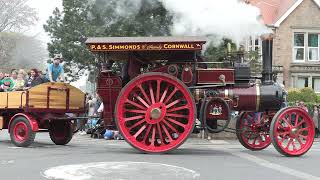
[(155, 110), (251, 121), (20, 131), (289, 131)]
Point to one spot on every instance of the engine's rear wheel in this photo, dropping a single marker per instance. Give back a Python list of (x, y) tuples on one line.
[(292, 131), (252, 129), (60, 132), (155, 112)]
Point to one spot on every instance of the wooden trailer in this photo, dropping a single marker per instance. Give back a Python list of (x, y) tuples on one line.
[(43, 107)]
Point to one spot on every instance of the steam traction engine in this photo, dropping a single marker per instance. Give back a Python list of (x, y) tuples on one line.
[(163, 87)]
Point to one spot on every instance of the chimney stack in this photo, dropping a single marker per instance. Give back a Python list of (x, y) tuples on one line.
[(267, 75)]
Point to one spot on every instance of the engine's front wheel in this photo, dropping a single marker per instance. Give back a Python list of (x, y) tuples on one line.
[(292, 131), (155, 112)]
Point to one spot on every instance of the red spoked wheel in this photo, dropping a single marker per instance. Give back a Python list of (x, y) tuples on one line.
[(21, 133), (252, 129), (155, 112), (292, 131)]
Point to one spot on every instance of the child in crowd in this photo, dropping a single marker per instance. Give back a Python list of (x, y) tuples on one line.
[(19, 85), (7, 84)]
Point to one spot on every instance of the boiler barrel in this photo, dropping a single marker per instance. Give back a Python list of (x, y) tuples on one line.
[(256, 98)]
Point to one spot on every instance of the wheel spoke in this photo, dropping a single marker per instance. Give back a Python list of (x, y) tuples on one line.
[(151, 93), (304, 129), (175, 122), (283, 133), (254, 141), (296, 120), (170, 126), (299, 140), (146, 135), (135, 111), (144, 94), (290, 141), (166, 131), (176, 115), (135, 104), (153, 135), (285, 120), (158, 90), (139, 132), (282, 140), (142, 101), (137, 124), (160, 132), (304, 137), (178, 108), (171, 94), (164, 94), (300, 123), (133, 118), (293, 145), (173, 103)]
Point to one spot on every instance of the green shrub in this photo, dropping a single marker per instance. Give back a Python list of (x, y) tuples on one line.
[(293, 95), (305, 94)]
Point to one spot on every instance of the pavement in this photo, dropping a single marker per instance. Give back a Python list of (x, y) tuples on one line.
[(87, 158)]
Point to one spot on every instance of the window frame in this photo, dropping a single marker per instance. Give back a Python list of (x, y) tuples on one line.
[(313, 85), (318, 48), (299, 47)]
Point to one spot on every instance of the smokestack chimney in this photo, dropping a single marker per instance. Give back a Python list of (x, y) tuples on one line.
[(267, 41)]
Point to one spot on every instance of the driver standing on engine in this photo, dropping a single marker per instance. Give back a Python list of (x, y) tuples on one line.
[(55, 70)]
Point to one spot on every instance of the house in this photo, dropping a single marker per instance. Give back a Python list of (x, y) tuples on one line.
[(296, 46)]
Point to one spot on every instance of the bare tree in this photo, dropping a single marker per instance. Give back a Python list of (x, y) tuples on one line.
[(16, 15), (21, 51)]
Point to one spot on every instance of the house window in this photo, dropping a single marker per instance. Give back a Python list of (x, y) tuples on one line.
[(316, 84), (306, 47), (254, 43), (313, 47), (299, 46), (302, 82)]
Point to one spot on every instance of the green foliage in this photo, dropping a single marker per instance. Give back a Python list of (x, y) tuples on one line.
[(304, 94), (218, 53), (79, 20)]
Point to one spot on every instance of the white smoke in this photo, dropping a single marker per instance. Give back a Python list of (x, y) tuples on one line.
[(232, 19)]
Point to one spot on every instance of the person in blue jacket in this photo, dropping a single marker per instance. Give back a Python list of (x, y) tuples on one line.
[(55, 70)]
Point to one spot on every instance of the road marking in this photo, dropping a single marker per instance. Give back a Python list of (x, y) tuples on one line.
[(120, 170), (217, 142), (14, 147), (268, 164), (4, 162)]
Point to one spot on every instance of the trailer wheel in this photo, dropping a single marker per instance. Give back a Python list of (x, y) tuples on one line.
[(155, 112), (292, 131), (252, 129), (21, 133), (60, 132)]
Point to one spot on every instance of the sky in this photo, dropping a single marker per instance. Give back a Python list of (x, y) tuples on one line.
[(44, 9)]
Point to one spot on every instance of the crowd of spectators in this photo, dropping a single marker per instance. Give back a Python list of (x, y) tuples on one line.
[(19, 80)]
